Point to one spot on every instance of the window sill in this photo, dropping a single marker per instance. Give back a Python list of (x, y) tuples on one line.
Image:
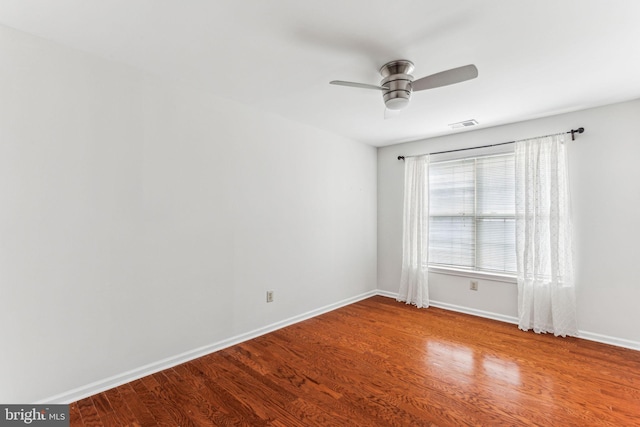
[(496, 277)]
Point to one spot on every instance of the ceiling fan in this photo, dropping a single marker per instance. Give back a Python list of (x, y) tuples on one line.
[(397, 83)]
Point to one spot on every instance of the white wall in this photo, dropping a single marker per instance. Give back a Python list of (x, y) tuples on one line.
[(605, 186), (141, 219)]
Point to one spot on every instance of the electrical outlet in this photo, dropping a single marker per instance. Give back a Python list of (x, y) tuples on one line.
[(269, 296), (473, 285)]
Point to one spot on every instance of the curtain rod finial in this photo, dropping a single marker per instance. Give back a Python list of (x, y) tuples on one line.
[(400, 157), (574, 131)]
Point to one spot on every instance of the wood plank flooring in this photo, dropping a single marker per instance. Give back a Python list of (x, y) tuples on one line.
[(382, 363)]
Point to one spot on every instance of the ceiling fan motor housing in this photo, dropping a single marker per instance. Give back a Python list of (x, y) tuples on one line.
[(396, 77)]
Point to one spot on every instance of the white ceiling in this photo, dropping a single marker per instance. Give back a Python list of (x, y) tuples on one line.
[(535, 58)]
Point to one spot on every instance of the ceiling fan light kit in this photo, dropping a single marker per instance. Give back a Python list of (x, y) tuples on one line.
[(397, 82)]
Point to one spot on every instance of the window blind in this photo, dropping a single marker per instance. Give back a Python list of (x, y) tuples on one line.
[(472, 213)]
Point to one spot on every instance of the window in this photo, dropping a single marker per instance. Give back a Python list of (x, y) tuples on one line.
[(472, 214)]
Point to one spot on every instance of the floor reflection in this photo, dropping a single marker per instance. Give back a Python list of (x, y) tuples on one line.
[(457, 363), (450, 361), (501, 370)]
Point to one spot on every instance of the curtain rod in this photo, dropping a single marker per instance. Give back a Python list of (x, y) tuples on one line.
[(572, 132)]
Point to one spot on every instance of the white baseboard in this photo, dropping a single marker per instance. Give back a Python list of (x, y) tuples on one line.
[(459, 309), (606, 339), (475, 312), (135, 374), (590, 336), (387, 294)]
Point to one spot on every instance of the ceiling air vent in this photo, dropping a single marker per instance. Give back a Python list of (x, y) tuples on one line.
[(463, 124)]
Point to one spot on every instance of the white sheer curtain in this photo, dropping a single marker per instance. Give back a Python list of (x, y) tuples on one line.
[(546, 292), (415, 234)]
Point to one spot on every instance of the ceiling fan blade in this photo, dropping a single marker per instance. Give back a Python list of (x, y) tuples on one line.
[(359, 85), (444, 78)]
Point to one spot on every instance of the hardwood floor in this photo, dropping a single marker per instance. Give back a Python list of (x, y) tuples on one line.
[(382, 363)]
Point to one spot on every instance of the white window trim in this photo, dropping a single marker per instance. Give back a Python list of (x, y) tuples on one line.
[(474, 274)]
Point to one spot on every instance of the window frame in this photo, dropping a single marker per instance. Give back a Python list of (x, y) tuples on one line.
[(473, 272)]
